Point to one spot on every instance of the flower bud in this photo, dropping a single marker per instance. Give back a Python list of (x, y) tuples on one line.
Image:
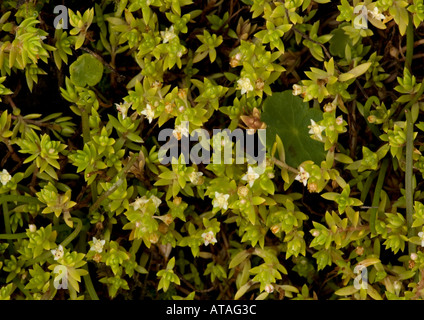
[(177, 201), (242, 191), (269, 288), (275, 229)]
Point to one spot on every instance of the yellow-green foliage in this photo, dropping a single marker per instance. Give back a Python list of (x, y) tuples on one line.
[(89, 211)]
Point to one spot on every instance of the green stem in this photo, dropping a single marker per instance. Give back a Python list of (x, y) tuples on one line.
[(367, 107), (86, 136), (108, 231), (87, 279), (89, 285), (135, 246), (12, 198), (64, 243), (367, 186), (409, 187), (72, 293), (6, 217), (13, 236), (21, 287), (409, 43), (284, 165), (414, 100), (121, 176), (74, 233), (377, 193)]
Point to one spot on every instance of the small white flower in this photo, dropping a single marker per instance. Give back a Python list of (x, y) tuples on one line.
[(156, 201), (329, 107), (245, 85), (235, 60), (5, 177), (179, 131), (250, 176), (339, 120), (168, 34), (97, 245), (209, 237), (421, 235), (221, 200), (297, 89), (269, 288), (316, 130), (303, 176), (149, 113), (32, 228), (57, 253), (140, 202), (123, 108), (414, 256), (195, 177), (376, 14)]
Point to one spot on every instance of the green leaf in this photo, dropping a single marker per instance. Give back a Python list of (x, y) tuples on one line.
[(239, 258), (355, 72), (257, 200), (86, 70), (347, 291), (338, 42), (289, 117)]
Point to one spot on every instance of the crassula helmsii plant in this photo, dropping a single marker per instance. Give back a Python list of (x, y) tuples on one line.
[(89, 210)]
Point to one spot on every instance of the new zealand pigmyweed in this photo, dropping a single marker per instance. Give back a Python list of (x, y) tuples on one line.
[(189, 149)]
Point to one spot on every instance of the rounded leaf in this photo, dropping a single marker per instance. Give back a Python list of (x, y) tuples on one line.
[(86, 70)]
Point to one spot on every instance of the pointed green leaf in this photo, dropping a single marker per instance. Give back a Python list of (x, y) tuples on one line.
[(355, 72), (347, 291)]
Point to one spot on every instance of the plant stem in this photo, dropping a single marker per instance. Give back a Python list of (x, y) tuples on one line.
[(409, 43), (121, 176), (21, 287), (74, 233), (64, 243), (135, 246), (414, 100), (86, 136), (374, 129), (305, 36), (89, 285), (284, 165), (367, 186), (6, 217), (377, 193), (13, 236), (409, 187)]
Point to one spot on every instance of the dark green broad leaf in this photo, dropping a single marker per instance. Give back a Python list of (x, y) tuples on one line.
[(86, 70), (338, 42), (288, 117)]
